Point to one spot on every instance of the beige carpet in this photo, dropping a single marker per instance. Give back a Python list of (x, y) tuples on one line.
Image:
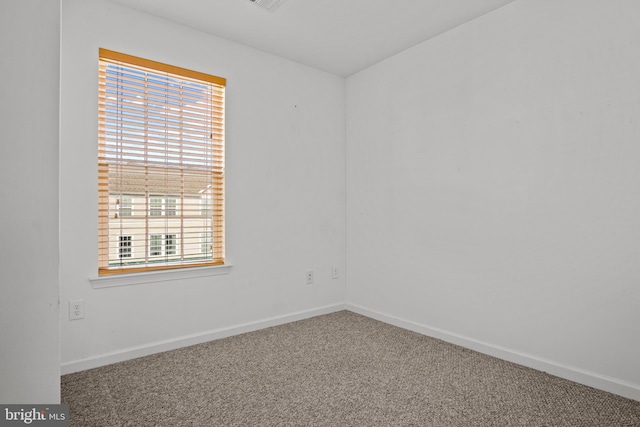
[(340, 369)]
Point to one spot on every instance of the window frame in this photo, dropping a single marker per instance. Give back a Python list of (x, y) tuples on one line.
[(171, 205)]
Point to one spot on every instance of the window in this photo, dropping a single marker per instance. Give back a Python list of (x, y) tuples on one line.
[(157, 240), (155, 246), (155, 206), (124, 248), (170, 207), (205, 243), (125, 206), (170, 244), (160, 160), (162, 206)]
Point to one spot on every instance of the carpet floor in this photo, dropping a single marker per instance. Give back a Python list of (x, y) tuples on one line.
[(340, 369)]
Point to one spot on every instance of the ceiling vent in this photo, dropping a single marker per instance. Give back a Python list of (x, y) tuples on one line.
[(270, 5)]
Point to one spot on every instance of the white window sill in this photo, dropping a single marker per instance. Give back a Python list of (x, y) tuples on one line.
[(157, 276)]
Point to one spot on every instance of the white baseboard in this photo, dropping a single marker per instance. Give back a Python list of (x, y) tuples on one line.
[(184, 341), (581, 376)]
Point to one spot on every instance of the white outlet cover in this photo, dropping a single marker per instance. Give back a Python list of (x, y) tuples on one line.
[(76, 310)]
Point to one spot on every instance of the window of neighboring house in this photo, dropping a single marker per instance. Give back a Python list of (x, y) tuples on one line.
[(155, 245), (125, 206), (156, 242), (162, 206), (124, 248), (155, 206), (170, 206), (160, 166)]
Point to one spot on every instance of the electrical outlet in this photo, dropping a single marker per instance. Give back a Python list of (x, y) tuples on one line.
[(76, 309), (310, 277), (335, 272)]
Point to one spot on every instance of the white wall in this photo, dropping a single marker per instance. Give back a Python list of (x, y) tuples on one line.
[(29, 111), (493, 176), (285, 191), (491, 181)]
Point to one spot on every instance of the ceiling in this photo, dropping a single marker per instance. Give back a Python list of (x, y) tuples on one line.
[(338, 36)]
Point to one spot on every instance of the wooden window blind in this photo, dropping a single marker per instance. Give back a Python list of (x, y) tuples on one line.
[(160, 166)]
